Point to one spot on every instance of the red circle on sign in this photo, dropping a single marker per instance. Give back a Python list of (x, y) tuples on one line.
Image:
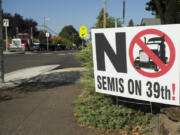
[(164, 68)]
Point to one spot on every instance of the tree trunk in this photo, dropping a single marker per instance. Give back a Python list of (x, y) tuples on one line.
[(177, 11), (168, 12), (160, 11)]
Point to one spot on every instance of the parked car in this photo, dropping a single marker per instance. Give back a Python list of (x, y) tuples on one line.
[(60, 47), (34, 48)]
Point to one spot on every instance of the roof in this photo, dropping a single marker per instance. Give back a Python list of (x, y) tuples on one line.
[(150, 21)]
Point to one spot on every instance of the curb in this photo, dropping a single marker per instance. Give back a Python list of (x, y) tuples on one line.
[(42, 74), (8, 53)]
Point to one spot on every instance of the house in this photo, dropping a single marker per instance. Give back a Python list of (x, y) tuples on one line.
[(150, 21)]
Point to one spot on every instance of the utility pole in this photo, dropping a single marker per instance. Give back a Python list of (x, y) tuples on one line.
[(123, 11), (104, 14), (47, 36), (32, 34), (44, 23), (17, 31), (1, 48)]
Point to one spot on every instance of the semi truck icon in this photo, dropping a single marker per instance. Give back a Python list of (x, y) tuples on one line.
[(144, 61)]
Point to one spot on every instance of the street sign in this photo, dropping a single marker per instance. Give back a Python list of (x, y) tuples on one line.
[(47, 34), (83, 31), (138, 62), (6, 22), (113, 21)]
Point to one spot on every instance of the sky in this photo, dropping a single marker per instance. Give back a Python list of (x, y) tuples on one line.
[(60, 13)]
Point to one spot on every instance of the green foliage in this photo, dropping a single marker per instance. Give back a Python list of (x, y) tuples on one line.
[(42, 37), (56, 40), (99, 110), (131, 23), (166, 10), (17, 24), (151, 6), (110, 21), (86, 58), (4, 43), (66, 42), (69, 33)]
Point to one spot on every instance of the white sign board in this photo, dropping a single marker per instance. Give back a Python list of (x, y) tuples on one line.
[(47, 34), (138, 62), (6, 22)]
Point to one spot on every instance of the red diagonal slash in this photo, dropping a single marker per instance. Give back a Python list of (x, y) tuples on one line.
[(151, 54)]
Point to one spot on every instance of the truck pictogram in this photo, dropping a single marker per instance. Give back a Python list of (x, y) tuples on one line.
[(144, 61)]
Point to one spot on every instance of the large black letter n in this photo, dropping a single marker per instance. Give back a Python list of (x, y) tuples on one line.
[(117, 59)]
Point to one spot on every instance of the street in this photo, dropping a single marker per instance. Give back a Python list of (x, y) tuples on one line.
[(16, 61)]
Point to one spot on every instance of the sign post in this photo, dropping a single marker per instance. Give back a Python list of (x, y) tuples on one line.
[(138, 62), (83, 33), (47, 35), (6, 24)]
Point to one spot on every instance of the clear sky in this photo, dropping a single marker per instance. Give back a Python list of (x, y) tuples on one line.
[(74, 12)]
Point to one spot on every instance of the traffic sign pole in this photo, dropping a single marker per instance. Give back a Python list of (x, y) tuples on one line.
[(6, 39), (47, 44), (47, 35), (82, 43), (6, 24)]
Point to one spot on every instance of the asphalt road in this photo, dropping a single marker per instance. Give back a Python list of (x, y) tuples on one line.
[(16, 61)]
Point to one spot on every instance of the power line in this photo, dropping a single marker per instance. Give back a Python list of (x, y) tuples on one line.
[(46, 27), (51, 30)]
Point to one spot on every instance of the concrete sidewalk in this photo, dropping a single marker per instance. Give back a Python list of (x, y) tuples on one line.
[(18, 77), (48, 73), (42, 102), (42, 112)]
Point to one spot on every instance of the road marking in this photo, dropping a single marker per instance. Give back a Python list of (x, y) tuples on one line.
[(61, 54), (46, 53), (75, 69)]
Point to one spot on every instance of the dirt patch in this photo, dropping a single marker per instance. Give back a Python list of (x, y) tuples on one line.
[(6, 95)]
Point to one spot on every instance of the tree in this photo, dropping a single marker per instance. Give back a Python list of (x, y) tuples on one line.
[(131, 23), (67, 42), (56, 40), (42, 37), (69, 34), (166, 10), (110, 20), (19, 25)]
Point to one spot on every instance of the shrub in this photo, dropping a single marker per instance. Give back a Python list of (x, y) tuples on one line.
[(66, 42), (101, 111)]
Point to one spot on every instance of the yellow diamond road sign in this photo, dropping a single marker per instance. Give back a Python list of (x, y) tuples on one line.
[(83, 31)]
